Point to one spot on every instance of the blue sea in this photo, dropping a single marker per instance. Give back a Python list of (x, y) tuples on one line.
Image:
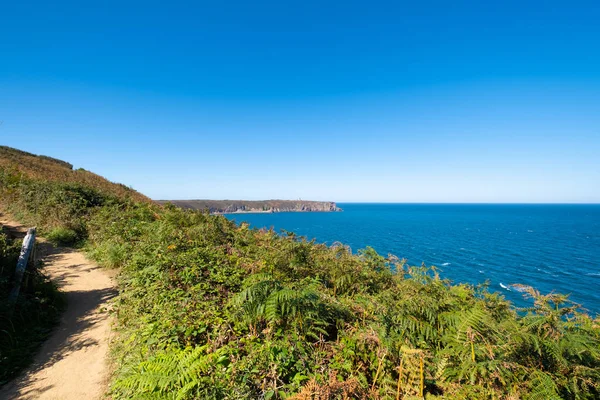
[(550, 247)]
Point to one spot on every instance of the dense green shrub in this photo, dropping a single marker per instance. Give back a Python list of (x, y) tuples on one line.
[(62, 236)]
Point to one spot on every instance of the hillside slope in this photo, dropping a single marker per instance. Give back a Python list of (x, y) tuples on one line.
[(214, 310), (45, 168)]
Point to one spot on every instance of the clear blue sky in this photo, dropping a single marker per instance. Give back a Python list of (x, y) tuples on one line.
[(346, 101)]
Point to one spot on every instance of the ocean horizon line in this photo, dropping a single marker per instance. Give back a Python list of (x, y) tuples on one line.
[(466, 203)]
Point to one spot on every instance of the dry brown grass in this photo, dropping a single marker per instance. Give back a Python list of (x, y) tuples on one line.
[(334, 389)]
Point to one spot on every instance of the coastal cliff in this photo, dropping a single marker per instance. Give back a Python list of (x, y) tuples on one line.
[(262, 206), (226, 295)]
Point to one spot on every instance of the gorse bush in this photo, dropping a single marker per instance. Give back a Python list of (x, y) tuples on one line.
[(209, 309)]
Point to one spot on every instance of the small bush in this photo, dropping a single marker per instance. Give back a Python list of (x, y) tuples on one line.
[(109, 254), (62, 236)]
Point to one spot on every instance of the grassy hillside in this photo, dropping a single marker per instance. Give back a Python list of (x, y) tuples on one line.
[(48, 169), (43, 191), (213, 310)]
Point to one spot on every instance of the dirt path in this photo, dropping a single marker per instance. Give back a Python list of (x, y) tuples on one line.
[(72, 363)]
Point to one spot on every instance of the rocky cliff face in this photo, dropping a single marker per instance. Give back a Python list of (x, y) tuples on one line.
[(265, 206)]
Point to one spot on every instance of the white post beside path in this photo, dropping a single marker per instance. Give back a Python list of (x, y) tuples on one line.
[(28, 244)]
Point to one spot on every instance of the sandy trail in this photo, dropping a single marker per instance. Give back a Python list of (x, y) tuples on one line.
[(72, 363)]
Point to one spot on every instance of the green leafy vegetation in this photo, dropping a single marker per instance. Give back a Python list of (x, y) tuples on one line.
[(61, 236), (209, 309)]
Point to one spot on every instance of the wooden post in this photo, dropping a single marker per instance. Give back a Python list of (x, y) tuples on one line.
[(28, 244)]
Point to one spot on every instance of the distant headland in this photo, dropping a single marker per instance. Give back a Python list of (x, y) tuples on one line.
[(255, 206)]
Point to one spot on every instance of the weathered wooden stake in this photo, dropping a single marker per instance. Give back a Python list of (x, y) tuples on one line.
[(28, 244)]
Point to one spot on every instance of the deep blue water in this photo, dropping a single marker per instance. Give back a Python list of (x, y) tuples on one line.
[(550, 247)]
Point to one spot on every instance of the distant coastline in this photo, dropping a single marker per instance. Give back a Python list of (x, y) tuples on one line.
[(254, 206)]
